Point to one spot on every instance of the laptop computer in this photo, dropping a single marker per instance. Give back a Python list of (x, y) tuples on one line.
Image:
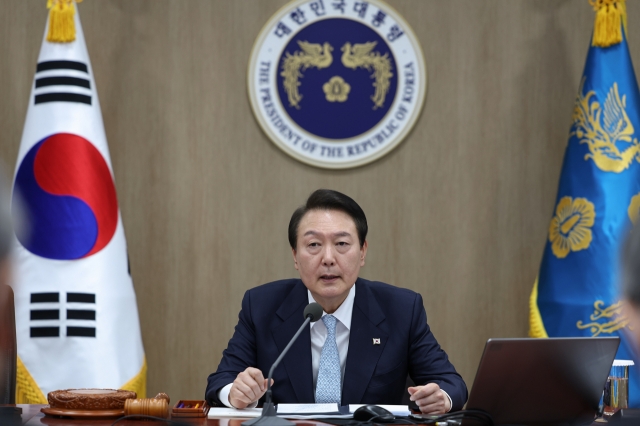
[(555, 381)]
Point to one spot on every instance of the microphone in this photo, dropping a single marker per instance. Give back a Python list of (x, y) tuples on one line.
[(312, 313)]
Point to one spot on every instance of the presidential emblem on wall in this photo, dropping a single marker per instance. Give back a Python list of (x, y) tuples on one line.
[(337, 83)]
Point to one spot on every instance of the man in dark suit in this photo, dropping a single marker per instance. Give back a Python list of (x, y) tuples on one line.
[(371, 336)]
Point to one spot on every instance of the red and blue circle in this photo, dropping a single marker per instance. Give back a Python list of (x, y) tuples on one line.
[(69, 196)]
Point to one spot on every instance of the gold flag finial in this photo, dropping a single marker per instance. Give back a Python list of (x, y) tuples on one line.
[(611, 16), (62, 28)]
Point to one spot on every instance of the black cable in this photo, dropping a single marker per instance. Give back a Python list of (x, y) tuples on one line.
[(371, 420), (411, 421), (142, 416), (481, 416), (403, 419)]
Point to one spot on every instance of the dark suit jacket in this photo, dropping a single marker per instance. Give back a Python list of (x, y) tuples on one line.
[(374, 374)]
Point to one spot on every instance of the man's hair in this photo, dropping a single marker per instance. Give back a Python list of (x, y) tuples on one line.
[(327, 199), (631, 267)]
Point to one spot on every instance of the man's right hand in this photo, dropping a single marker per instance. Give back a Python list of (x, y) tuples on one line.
[(247, 388)]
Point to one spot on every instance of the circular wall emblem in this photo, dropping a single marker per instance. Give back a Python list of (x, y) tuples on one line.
[(337, 83)]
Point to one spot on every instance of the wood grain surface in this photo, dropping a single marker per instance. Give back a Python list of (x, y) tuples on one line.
[(458, 212)]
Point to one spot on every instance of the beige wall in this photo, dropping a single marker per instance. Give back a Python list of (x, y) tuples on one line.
[(459, 211)]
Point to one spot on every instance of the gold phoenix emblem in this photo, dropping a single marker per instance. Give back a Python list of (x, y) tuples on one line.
[(613, 312), (602, 128), (570, 227), (312, 55), (361, 56), (355, 56), (336, 89)]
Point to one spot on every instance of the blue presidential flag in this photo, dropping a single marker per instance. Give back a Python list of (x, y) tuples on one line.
[(598, 199)]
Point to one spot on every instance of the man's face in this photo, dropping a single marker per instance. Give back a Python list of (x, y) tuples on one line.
[(328, 256)]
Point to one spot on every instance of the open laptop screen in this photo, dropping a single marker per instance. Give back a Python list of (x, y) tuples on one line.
[(543, 381)]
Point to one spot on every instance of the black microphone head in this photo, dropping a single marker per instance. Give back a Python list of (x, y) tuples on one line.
[(313, 311)]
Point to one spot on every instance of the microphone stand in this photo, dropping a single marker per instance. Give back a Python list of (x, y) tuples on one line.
[(268, 416)]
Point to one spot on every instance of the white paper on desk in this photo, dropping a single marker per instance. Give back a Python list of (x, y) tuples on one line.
[(234, 412), (396, 410), (308, 408), (311, 411)]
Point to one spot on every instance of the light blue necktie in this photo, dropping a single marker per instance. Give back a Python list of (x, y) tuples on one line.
[(329, 375)]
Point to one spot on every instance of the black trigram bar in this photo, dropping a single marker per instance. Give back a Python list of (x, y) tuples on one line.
[(45, 297), (81, 332), (62, 65), (81, 314), (45, 331), (62, 97), (45, 314), (81, 297), (63, 81)]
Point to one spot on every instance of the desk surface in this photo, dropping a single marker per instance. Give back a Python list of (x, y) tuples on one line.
[(32, 416)]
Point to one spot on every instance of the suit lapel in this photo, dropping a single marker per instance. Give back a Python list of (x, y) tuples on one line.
[(298, 361), (363, 355)]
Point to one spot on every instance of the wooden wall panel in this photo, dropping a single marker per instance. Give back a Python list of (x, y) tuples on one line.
[(459, 211)]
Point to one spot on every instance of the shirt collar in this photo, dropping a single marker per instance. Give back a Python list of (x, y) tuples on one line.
[(343, 313)]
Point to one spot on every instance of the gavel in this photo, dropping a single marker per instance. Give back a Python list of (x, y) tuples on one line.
[(157, 406)]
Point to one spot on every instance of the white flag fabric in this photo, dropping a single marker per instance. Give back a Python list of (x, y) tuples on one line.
[(76, 314)]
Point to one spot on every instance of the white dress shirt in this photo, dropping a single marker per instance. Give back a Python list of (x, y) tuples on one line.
[(318, 336)]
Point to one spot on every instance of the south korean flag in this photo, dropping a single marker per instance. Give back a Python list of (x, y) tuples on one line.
[(76, 313)]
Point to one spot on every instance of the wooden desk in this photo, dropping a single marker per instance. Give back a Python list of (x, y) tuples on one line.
[(31, 416)]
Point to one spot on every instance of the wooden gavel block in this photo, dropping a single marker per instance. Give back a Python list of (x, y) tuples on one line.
[(156, 407)]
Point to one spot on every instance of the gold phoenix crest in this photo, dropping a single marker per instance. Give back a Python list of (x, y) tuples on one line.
[(606, 129), (359, 55)]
